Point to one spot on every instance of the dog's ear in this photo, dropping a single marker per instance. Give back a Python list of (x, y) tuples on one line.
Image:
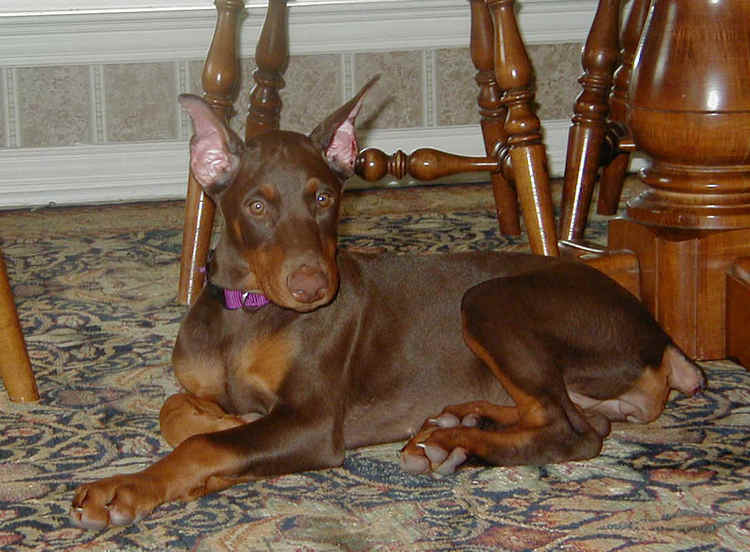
[(336, 137), (214, 149)]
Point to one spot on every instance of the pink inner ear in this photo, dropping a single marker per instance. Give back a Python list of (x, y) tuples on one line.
[(343, 149), (209, 158)]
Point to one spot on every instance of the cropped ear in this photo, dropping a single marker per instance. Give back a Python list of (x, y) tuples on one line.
[(215, 150), (336, 137)]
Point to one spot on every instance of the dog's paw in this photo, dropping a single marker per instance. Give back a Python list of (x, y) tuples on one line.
[(419, 455), (184, 415), (119, 500), (433, 460)]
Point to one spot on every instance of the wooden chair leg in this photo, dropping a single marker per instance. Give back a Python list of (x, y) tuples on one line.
[(613, 174), (272, 58), (589, 123), (527, 155), (492, 112), (220, 78), (610, 184), (15, 367)]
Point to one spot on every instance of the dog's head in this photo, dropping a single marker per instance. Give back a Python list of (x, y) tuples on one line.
[(280, 195)]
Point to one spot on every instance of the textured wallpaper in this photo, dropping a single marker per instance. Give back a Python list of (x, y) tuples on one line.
[(132, 102)]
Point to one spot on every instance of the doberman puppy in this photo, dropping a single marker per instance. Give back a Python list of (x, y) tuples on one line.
[(295, 352)]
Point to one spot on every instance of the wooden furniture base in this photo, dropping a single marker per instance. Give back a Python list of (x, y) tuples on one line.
[(679, 95), (15, 367), (684, 283)]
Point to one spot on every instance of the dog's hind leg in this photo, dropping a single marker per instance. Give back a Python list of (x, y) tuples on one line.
[(543, 426)]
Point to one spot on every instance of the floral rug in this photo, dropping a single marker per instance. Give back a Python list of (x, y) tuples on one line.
[(97, 303)]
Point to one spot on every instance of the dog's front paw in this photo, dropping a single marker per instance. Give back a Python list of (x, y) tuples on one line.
[(118, 500), (419, 455)]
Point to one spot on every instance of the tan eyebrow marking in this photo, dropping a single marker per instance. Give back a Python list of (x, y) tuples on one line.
[(269, 193)]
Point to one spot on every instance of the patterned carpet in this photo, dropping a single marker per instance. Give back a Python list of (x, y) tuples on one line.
[(95, 289)]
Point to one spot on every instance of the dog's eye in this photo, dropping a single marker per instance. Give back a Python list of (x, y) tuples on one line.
[(257, 207), (324, 199)]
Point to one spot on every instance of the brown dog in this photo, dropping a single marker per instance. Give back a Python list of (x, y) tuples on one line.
[(294, 353)]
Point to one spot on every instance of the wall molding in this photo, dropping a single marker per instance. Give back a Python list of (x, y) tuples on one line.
[(151, 171), (105, 173), (315, 28)]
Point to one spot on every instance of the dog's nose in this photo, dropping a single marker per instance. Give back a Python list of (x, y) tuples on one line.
[(307, 284)]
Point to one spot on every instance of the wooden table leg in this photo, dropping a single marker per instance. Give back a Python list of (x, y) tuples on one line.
[(15, 367)]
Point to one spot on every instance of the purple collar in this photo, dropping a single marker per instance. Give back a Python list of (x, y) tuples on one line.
[(237, 299)]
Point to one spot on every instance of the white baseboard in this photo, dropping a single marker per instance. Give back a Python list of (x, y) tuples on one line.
[(184, 30), (158, 171)]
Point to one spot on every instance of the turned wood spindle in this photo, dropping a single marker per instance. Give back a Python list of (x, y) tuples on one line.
[(271, 58), (492, 112), (589, 122), (15, 367), (423, 164), (613, 174), (527, 156), (220, 79)]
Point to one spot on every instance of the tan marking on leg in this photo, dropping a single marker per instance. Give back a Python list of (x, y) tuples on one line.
[(502, 415), (650, 392), (531, 413), (642, 403), (185, 473)]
